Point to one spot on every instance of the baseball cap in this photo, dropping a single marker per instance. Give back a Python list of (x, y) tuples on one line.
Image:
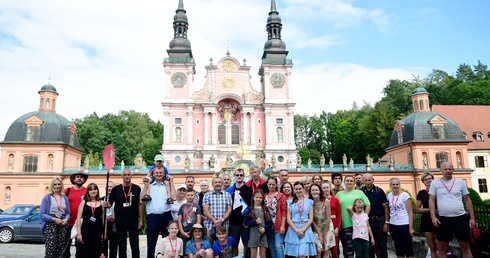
[(182, 186), (159, 157)]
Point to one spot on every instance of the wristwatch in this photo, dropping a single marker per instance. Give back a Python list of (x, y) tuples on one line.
[(387, 222)]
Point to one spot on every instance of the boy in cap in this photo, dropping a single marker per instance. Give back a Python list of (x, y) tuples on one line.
[(158, 163)]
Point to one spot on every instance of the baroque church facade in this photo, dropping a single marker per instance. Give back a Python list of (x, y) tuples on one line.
[(203, 128)]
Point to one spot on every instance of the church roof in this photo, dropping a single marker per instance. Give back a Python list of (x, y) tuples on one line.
[(471, 120), (48, 87), (53, 130), (417, 127)]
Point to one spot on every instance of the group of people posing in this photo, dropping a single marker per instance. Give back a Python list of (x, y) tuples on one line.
[(302, 219)]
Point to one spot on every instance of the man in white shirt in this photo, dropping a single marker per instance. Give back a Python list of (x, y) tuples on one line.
[(451, 217)]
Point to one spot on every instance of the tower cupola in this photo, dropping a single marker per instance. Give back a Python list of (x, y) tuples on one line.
[(420, 100), (47, 98), (180, 46)]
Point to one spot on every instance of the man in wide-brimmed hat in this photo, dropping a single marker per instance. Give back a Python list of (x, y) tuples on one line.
[(75, 195)]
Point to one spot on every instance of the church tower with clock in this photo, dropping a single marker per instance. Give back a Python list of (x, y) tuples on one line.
[(228, 120)]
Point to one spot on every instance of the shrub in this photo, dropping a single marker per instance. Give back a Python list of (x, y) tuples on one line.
[(475, 197)]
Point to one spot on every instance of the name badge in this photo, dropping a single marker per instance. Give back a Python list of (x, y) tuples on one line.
[(125, 204), (93, 219)]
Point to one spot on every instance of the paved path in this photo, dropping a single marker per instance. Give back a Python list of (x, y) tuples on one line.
[(30, 249)]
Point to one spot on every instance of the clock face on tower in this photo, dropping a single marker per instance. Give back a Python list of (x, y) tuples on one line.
[(277, 80), (179, 79)]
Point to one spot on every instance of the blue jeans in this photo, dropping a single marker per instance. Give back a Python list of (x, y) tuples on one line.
[(279, 242)]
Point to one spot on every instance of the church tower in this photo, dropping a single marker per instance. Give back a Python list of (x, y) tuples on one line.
[(179, 74), (275, 78), (228, 121)]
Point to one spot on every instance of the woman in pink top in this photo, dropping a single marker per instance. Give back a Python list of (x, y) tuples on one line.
[(334, 214), (361, 229)]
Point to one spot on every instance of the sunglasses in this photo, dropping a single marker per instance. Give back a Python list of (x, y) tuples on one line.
[(239, 175)]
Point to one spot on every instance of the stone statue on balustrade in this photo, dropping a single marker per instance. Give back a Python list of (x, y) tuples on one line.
[(257, 158), (309, 163), (330, 162), (122, 165), (273, 161), (344, 160), (139, 163), (322, 161), (369, 160), (351, 163), (212, 162), (298, 161), (229, 160), (86, 163), (392, 162)]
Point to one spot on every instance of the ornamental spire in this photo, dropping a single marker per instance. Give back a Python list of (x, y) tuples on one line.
[(180, 46)]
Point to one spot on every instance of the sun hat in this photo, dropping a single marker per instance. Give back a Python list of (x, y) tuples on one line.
[(198, 226), (80, 172)]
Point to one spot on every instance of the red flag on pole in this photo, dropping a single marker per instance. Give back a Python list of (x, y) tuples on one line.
[(109, 157)]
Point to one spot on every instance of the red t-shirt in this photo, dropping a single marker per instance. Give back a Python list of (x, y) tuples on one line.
[(75, 197)]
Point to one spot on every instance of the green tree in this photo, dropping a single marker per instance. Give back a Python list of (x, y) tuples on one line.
[(130, 132)]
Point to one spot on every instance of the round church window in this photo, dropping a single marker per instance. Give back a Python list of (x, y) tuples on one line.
[(280, 158), (177, 159)]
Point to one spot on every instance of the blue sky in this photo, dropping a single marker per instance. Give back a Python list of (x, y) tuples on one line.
[(105, 56)]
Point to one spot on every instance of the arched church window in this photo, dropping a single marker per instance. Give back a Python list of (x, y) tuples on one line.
[(30, 164), (221, 134), (280, 134), (72, 138), (421, 105), (48, 103), (440, 158), (41, 102), (54, 103), (235, 134), (415, 105)]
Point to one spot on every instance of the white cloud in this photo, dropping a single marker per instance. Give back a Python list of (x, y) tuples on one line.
[(106, 56), (334, 86)]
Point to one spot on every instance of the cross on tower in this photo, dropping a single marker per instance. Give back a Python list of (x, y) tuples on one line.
[(227, 43)]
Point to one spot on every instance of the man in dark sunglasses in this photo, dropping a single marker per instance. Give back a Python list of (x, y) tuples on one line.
[(240, 196)]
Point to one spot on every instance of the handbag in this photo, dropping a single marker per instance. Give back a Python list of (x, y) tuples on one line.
[(74, 231)]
